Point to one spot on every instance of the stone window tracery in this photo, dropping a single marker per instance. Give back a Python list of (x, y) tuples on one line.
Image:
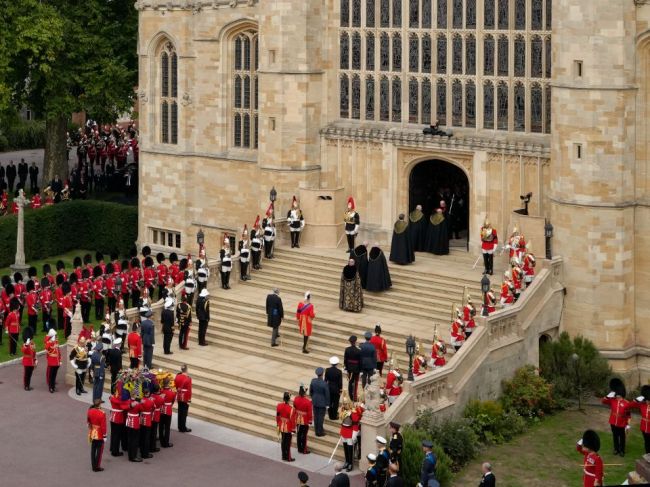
[(520, 56), (502, 106), (370, 52), (536, 106), (345, 13), (356, 97), (168, 94), (520, 107), (414, 55), (426, 102), (413, 100), (470, 14), (488, 105), (384, 13), (457, 14), (245, 84), (441, 102), (470, 104), (442, 14), (457, 103), (397, 100), (397, 52), (345, 96), (457, 54), (520, 14), (414, 13), (488, 14), (536, 14), (503, 15), (370, 98), (370, 13), (397, 13), (356, 13), (470, 55), (488, 55), (426, 53), (426, 14), (384, 98), (356, 51)]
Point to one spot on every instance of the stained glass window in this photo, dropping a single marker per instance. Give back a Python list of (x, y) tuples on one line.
[(256, 92), (426, 53), (502, 67), (164, 122), (247, 53), (247, 92), (470, 104), (164, 71), (549, 14), (356, 13), (397, 100), (246, 132), (256, 126), (168, 95), (536, 105), (356, 51), (536, 15), (397, 52), (488, 55), (520, 56), (457, 103), (174, 75), (370, 51), (245, 86), (238, 53), (502, 104), (345, 13), (414, 13), (426, 102), (397, 13), (370, 13), (384, 56), (238, 96), (547, 49), (488, 14), (547, 109), (457, 53), (503, 14), (413, 100), (470, 54), (520, 108), (442, 14), (356, 97), (536, 57), (442, 54), (426, 14), (345, 51), (470, 14), (413, 53), (370, 98), (237, 130), (384, 13), (384, 99), (457, 14), (488, 105), (520, 14), (441, 102), (345, 96)]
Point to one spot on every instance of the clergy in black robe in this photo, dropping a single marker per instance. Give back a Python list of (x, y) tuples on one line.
[(351, 295), (378, 274), (417, 229), (438, 234), (401, 248), (360, 257)]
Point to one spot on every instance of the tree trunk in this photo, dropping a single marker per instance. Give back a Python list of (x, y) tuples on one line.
[(54, 159)]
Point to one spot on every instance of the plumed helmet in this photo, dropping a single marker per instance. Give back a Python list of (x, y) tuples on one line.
[(591, 440), (66, 287), (110, 268), (148, 261), (18, 277), (30, 285), (617, 386), (146, 251), (85, 274), (97, 271), (160, 257), (351, 202), (31, 272), (59, 279), (47, 269), (87, 259), (135, 262), (76, 262), (45, 282), (60, 265)]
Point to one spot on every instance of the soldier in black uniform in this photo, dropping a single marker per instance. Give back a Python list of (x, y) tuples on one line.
[(352, 364), (226, 263), (203, 314), (167, 319), (334, 379), (114, 361), (183, 319), (396, 443), (371, 473), (296, 223)]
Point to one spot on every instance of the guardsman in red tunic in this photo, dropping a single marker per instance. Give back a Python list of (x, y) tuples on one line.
[(642, 403), (529, 268), (162, 271), (174, 268), (592, 464), (438, 351), (109, 283), (517, 277), (469, 311), (120, 404), (382, 349), (304, 417), (184, 396), (305, 316), (169, 397), (146, 422), (158, 401), (284, 419), (32, 303), (149, 275), (419, 362), (393, 384), (347, 431), (490, 302), (457, 331), (98, 292), (134, 342), (36, 201), (29, 362), (489, 244), (96, 434), (53, 359), (507, 289), (125, 288), (619, 415), (133, 430), (12, 325)]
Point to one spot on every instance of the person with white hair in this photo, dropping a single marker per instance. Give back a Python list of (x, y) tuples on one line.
[(488, 479), (167, 319), (274, 314), (203, 314), (305, 315)]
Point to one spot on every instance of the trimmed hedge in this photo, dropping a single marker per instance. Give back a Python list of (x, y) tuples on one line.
[(53, 230), (19, 134)]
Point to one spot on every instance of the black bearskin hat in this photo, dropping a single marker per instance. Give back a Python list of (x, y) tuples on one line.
[(616, 385), (591, 440), (125, 265), (146, 251), (148, 261), (114, 256), (5, 280), (9, 289), (99, 257), (74, 279), (183, 264), (133, 252), (14, 304), (88, 259), (45, 282), (66, 287), (135, 262), (85, 274), (160, 257), (18, 277), (30, 285), (76, 262), (31, 272), (110, 268), (47, 269), (60, 265), (645, 392), (59, 279), (173, 257), (97, 271)]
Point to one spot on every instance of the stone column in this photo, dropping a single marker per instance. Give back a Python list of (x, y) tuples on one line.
[(19, 264), (373, 424)]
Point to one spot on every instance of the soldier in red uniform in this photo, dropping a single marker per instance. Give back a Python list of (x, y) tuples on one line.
[(346, 413), (68, 305), (53, 359), (593, 464), (469, 311), (134, 342), (146, 421), (137, 282), (507, 289), (529, 268), (36, 201), (31, 301), (29, 362), (489, 243), (457, 331), (284, 418), (380, 346), (133, 430), (158, 401), (174, 268), (161, 274), (393, 384), (112, 291), (305, 316), (619, 416), (12, 325), (149, 275), (184, 395), (438, 351), (304, 417), (98, 292), (125, 288), (169, 396), (120, 404), (96, 434), (642, 403), (490, 302)]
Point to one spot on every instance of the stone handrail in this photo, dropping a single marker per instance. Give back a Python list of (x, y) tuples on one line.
[(501, 343)]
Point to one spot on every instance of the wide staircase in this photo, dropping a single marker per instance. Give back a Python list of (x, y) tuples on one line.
[(239, 379)]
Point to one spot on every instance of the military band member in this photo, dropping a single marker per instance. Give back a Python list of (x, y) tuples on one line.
[(96, 434), (296, 223), (46, 298), (12, 325), (489, 243), (285, 422), (29, 363), (137, 281), (244, 255), (304, 417), (79, 361), (125, 283), (114, 361), (53, 359), (268, 224), (98, 292), (184, 320), (352, 222), (334, 379), (167, 320), (149, 275), (396, 443), (589, 445), (203, 314), (33, 306), (169, 396), (120, 404), (162, 272), (469, 312), (225, 255), (257, 242), (457, 331), (111, 288), (134, 343)]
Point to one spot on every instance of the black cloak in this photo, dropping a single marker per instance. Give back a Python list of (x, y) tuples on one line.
[(360, 256), (437, 235), (378, 274), (417, 230), (401, 248)]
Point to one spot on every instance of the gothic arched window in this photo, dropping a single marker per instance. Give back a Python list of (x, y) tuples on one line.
[(246, 132), (536, 105), (238, 53), (457, 54), (457, 14), (237, 131), (442, 14), (414, 55), (502, 106), (536, 57), (549, 14), (370, 13), (470, 54), (356, 51), (356, 13), (426, 14), (488, 56), (370, 98), (345, 13), (503, 14), (397, 13), (547, 109), (384, 99), (246, 92), (441, 102), (238, 96), (488, 14), (502, 65), (397, 100), (457, 103), (384, 55), (536, 14), (345, 51), (426, 53), (470, 104), (356, 97), (520, 107), (520, 14), (426, 102), (384, 13), (345, 96), (370, 51), (397, 52), (520, 56), (488, 105), (470, 14), (442, 54), (413, 100), (168, 94), (414, 13)]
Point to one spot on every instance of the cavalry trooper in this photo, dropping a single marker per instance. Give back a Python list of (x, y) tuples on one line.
[(244, 255), (296, 223)]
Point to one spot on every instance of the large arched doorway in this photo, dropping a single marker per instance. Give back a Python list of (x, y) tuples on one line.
[(435, 180)]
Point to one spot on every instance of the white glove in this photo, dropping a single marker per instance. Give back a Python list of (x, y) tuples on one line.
[(74, 364), (611, 395), (580, 442), (627, 428), (356, 229), (640, 399), (419, 485)]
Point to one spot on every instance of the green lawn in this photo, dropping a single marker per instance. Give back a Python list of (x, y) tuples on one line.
[(546, 454)]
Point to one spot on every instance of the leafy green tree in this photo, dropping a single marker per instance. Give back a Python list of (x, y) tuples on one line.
[(65, 56)]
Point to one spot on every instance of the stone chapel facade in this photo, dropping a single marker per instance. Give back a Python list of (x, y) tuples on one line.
[(331, 97)]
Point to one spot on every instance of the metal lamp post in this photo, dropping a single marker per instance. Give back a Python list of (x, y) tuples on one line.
[(200, 238), (485, 288), (410, 350), (548, 234), (273, 195)]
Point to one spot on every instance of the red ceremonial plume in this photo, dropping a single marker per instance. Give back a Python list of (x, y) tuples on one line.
[(269, 210), (257, 222), (351, 201)]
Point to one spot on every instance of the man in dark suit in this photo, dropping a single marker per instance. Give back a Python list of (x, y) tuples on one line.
[(274, 314), (11, 176), (334, 379), (23, 170), (368, 359), (394, 480), (320, 397), (167, 319), (148, 337), (341, 478), (33, 177), (488, 479), (352, 364)]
